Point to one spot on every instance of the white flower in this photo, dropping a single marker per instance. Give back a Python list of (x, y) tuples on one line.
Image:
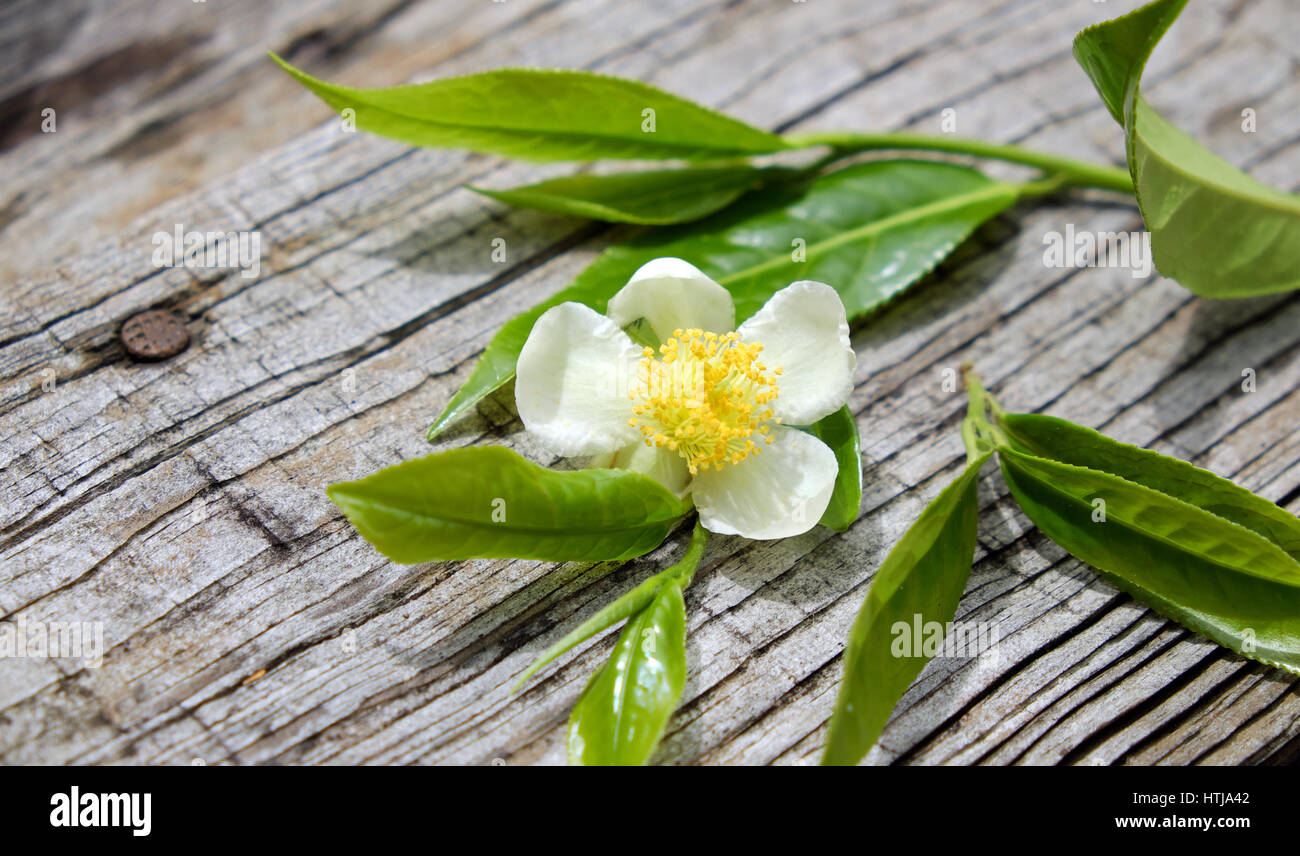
[(706, 414)]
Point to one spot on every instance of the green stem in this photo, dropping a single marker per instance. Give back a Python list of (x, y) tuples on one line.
[(626, 607), (975, 444), (690, 562), (1074, 173), (976, 410), (1043, 186), (975, 431)]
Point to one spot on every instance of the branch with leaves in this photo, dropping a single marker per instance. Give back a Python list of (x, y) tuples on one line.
[(1195, 547), (683, 353)]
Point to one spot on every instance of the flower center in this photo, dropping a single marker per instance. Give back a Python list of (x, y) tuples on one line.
[(704, 396)]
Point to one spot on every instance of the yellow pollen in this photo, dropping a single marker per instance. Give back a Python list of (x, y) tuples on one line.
[(705, 396)]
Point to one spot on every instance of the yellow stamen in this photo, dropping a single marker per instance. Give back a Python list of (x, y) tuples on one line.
[(704, 396)]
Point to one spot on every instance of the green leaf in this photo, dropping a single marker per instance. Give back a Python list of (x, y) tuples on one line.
[(840, 432), (1186, 534), (1060, 440), (627, 605), (869, 230), (625, 707), (655, 197), (1214, 229), (924, 575), (490, 502), (545, 115), (1255, 617), (640, 332)]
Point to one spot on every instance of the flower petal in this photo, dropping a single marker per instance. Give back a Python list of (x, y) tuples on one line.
[(781, 492), (673, 294), (804, 331), (572, 381), (664, 466)]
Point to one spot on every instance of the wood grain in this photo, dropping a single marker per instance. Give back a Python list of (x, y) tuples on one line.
[(182, 504)]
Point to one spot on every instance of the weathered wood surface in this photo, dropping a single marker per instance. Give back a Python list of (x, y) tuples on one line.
[(182, 503)]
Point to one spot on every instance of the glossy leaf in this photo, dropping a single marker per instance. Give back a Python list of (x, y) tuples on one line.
[(490, 502), (656, 197), (626, 606), (923, 575), (1060, 440), (1255, 617), (1214, 229), (869, 230), (1185, 532), (626, 705), (840, 432), (545, 115)]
